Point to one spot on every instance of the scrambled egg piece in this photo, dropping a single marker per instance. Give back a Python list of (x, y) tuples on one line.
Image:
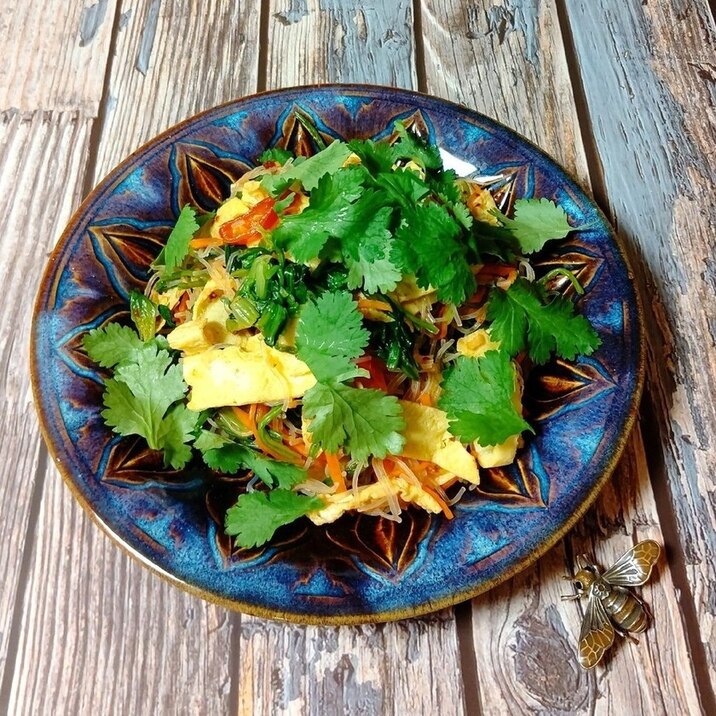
[(252, 193), (339, 503), (475, 345), (207, 327), (481, 204), (242, 374), (411, 296), (427, 438)]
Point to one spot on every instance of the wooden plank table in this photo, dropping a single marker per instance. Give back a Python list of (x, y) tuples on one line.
[(623, 93)]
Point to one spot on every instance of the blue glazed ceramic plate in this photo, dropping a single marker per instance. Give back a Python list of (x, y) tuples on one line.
[(359, 569)]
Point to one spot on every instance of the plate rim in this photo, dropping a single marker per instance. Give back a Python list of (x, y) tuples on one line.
[(426, 607)]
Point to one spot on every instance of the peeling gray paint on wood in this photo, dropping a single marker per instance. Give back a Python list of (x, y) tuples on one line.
[(296, 11), (147, 42), (91, 19), (652, 114), (515, 16), (345, 41)]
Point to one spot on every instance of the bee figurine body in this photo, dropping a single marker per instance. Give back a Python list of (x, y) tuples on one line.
[(611, 607)]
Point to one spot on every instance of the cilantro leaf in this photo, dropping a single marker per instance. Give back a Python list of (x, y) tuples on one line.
[(257, 515), (429, 246), (209, 440), (275, 154), (523, 320), (376, 157), (364, 421), (230, 457), (411, 146), (331, 212), (309, 172), (536, 222), (112, 344), (177, 246), (477, 395), (367, 255), (403, 186), (330, 336), (140, 393), (176, 430)]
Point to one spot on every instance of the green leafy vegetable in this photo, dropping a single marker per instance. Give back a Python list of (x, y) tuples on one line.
[(177, 246), (144, 315), (331, 212), (478, 399), (330, 336), (112, 345), (429, 246), (137, 400), (230, 457), (522, 319), (275, 154), (310, 171), (536, 222), (257, 515), (363, 421), (413, 148)]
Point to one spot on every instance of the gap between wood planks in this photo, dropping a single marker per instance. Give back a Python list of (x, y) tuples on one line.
[(13, 637), (650, 428), (44, 456)]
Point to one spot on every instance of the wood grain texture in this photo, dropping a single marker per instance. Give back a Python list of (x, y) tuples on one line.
[(340, 41), (35, 149), (57, 48), (98, 633), (373, 669), (172, 61), (652, 105), (384, 669), (509, 61)]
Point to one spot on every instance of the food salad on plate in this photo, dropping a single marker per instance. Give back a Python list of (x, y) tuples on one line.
[(351, 328)]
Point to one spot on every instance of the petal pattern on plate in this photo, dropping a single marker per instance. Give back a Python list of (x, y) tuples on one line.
[(574, 257), (203, 178), (380, 545), (131, 463), (560, 386)]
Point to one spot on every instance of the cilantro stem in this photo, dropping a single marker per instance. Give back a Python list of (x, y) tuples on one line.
[(417, 322), (567, 274), (308, 124)]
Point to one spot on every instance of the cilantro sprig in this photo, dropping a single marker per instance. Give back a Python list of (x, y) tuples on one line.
[(143, 397), (329, 338), (524, 319), (477, 395), (257, 515)]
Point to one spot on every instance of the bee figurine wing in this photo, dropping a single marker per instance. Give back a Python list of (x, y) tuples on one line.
[(597, 633), (634, 568)]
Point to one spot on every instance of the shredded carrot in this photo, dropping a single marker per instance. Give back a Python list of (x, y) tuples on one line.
[(248, 420), (443, 505), (491, 272), (368, 304), (204, 242), (335, 472)]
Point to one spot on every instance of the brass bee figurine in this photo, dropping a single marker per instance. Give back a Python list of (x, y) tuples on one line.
[(610, 606)]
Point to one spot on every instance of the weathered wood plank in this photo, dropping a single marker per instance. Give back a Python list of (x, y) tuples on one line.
[(522, 633), (174, 60), (340, 41), (52, 51), (40, 151), (98, 633), (648, 74), (388, 668), (371, 669)]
